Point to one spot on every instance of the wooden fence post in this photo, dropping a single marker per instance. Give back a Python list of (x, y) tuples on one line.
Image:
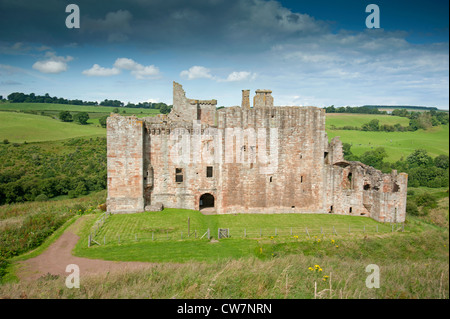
[(89, 240)]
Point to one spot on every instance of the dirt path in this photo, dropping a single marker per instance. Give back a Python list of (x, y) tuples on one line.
[(58, 255)]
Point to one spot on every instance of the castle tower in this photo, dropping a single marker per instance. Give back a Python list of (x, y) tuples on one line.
[(263, 98)]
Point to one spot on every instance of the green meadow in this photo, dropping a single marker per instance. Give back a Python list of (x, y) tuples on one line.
[(397, 144), (21, 127)]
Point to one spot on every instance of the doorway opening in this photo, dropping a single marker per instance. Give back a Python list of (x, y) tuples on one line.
[(206, 201)]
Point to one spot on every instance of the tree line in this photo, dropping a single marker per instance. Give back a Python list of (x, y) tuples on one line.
[(417, 120), (18, 97)]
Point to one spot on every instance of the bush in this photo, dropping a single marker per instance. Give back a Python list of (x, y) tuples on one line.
[(81, 118), (65, 116), (426, 200), (411, 208), (41, 198)]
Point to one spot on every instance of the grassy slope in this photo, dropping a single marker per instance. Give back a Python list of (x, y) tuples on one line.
[(18, 128), (68, 107), (343, 119), (397, 144)]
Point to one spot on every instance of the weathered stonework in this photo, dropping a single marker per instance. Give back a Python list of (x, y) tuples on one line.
[(198, 156)]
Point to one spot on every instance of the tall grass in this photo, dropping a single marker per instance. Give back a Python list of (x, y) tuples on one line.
[(405, 272)]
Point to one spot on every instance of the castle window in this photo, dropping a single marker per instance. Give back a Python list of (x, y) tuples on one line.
[(178, 175), (350, 210), (366, 187), (209, 171), (396, 188), (325, 156), (301, 179), (270, 179), (349, 176)]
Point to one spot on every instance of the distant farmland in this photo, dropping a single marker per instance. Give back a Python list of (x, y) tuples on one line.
[(397, 144)]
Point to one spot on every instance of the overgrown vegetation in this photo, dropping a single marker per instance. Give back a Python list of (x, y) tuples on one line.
[(73, 167), (422, 169), (25, 226)]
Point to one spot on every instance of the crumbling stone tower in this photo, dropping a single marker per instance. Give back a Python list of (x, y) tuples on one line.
[(242, 159)]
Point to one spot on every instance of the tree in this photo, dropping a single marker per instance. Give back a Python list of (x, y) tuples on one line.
[(81, 118), (65, 116), (442, 161), (164, 109), (419, 157), (374, 158), (102, 120)]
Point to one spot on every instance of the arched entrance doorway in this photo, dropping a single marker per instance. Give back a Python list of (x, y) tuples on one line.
[(206, 201)]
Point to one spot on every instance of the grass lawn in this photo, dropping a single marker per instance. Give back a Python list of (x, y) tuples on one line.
[(156, 236)]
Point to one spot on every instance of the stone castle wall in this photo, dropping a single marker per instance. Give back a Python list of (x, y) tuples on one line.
[(263, 159)]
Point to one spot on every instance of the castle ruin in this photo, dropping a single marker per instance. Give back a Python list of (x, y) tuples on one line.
[(242, 159)]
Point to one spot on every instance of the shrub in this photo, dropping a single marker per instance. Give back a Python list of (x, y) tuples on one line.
[(426, 200), (41, 198), (411, 208)]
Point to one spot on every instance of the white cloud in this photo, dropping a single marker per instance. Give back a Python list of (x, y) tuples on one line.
[(97, 70), (53, 64), (139, 71), (240, 76), (197, 72)]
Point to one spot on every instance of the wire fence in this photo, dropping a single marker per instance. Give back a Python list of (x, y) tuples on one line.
[(99, 235)]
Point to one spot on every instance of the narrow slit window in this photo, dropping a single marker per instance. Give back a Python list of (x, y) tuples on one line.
[(209, 171)]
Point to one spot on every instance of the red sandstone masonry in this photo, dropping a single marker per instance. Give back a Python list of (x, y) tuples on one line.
[(311, 175)]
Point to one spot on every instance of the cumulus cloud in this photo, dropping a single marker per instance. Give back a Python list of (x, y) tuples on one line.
[(52, 64), (240, 76), (201, 72), (139, 71), (97, 70), (197, 72)]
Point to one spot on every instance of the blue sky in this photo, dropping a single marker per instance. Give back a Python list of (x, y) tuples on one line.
[(307, 52)]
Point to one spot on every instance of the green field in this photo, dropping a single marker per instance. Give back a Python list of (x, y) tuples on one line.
[(163, 236), (343, 119), (20, 127), (397, 144), (52, 110), (71, 108)]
